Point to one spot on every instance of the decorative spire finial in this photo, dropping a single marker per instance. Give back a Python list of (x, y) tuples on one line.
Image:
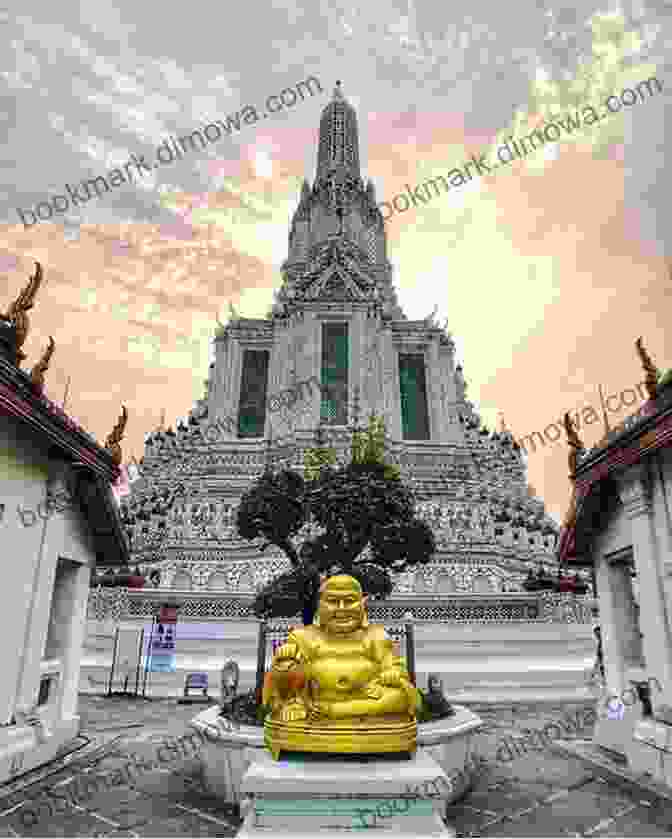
[(117, 434), (16, 313), (38, 371), (574, 441), (652, 372), (338, 144)]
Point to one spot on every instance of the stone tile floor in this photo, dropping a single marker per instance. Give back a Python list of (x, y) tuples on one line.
[(539, 794)]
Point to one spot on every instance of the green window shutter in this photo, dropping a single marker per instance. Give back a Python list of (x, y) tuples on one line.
[(253, 388), (413, 391), (334, 373)]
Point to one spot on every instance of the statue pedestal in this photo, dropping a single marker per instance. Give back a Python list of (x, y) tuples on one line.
[(330, 796)]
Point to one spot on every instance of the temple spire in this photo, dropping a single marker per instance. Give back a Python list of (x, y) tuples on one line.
[(338, 149)]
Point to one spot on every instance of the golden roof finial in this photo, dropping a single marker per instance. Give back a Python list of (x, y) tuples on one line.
[(652, 372), (38, 371), (16, 313), (573, 440), (113, 440)]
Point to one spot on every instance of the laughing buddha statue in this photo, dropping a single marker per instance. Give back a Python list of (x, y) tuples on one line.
[(338, 686)]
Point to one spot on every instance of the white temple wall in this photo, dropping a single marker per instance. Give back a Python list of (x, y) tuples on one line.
[(43, 604), (478, 663)]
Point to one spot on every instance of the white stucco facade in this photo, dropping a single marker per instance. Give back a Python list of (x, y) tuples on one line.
[(47, 558), (637, 619), (624, 529)]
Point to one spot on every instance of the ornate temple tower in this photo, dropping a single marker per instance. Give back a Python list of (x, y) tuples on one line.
[(336, 322)]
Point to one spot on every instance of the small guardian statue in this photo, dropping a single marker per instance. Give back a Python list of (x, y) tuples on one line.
[(228, 683), (435, 700)]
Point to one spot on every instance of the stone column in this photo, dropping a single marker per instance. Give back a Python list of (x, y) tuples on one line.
[(635, 493), (662, 470), (235, 372), (390, 382), (357, 368), (34, 640), (450, 427), (314, 346), (271, 428), (307, 379), (220, 405), (615, 724), (610, 585), (76, 595), (434, 389)]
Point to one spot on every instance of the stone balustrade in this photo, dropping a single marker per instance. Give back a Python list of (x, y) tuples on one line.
[(120, 604)]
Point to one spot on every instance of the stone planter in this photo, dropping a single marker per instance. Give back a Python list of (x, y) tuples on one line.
[(226, 754), (449, 742)]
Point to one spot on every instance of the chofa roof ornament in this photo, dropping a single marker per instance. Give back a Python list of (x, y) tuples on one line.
[(16, 313), (655, 379), (115, 437), (38, 371)]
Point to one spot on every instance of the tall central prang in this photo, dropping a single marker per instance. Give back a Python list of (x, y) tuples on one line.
[(336, 321)]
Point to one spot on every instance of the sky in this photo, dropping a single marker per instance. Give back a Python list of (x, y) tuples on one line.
[(546, 271)]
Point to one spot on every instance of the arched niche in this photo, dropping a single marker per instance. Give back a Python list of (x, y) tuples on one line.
[(182, 581), (421, 584), (482, 584), (217, 581), (246, 581), (446, 584)]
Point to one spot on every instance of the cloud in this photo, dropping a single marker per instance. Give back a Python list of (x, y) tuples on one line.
[(539, 270)]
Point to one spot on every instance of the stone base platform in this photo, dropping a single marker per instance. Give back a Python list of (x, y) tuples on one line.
[(329, 796), (228, 752)]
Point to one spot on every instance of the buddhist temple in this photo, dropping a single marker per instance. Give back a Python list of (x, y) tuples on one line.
[(335, 347)]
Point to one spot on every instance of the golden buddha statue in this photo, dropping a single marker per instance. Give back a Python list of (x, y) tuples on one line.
[(338, 686)]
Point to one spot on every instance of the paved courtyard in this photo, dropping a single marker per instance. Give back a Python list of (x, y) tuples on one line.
[(540, 794)]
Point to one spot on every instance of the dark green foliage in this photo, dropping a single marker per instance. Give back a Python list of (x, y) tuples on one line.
[(285, 595), (359, 505), (274, 509)]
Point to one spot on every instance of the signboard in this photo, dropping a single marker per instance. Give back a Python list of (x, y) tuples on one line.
[(162, 644)]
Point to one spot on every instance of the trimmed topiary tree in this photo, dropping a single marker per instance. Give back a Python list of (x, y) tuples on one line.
[(362, 505)]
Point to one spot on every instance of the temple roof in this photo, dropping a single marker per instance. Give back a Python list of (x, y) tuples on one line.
[(22, 398), (595, 487)]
